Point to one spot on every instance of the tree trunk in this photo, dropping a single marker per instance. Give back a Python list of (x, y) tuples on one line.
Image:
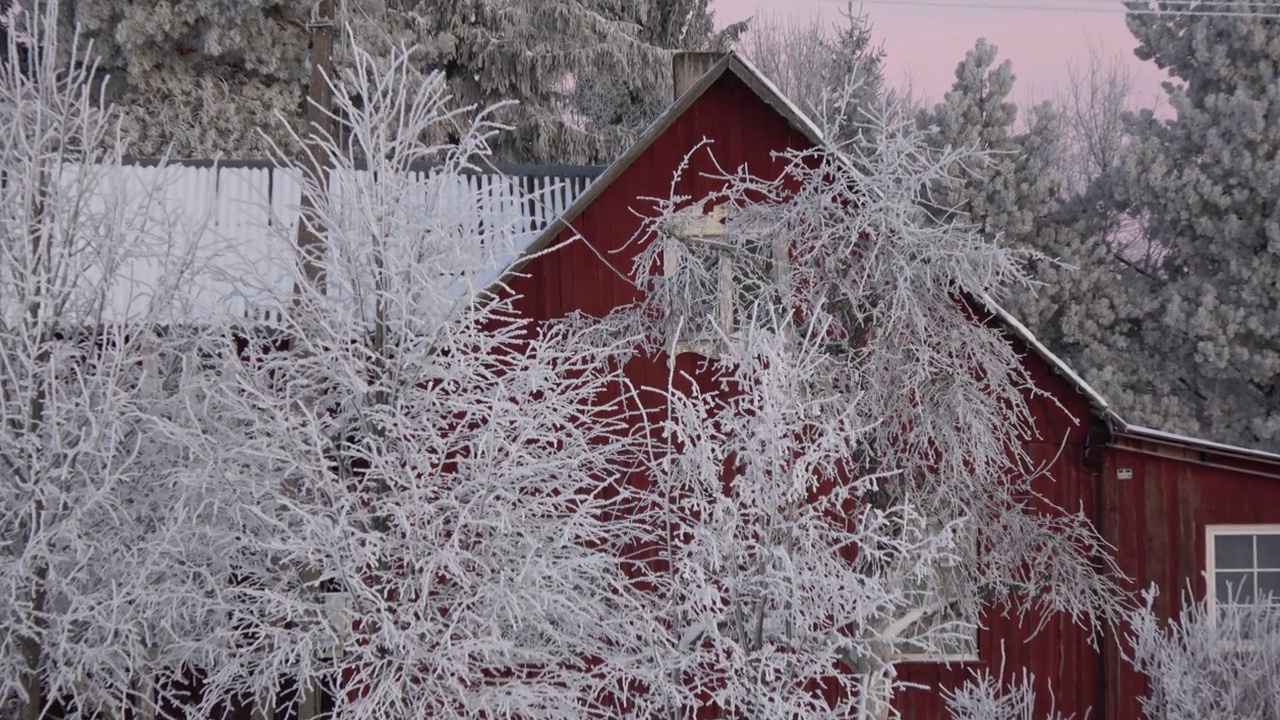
[(33, 653)]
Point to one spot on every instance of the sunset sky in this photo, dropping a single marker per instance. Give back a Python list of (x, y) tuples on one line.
[(924, 43)]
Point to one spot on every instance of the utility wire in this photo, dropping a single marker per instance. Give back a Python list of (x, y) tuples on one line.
[(1116, 9), (1119, 4)]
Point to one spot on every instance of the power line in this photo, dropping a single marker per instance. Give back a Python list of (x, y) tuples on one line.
[(1116, 8), (1119, 5)]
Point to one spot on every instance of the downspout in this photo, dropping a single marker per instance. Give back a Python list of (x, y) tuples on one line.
[(1100, 424)]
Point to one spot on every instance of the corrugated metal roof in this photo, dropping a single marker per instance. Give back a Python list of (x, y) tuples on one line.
[(233, 224)]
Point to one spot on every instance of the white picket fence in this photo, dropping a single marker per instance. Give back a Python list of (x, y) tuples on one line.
[(220, 238)]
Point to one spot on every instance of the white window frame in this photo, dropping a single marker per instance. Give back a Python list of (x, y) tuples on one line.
[(930, 657), (693, 225), (1211, 533)]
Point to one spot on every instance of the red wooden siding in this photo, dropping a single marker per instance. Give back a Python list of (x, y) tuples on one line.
[(593, 274), (588, 275), (1157, 520)]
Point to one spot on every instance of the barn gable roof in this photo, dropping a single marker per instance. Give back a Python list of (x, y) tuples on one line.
[(744, 71), (730, 64)]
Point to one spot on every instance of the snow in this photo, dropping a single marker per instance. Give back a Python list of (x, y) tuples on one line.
[(1176, 439)]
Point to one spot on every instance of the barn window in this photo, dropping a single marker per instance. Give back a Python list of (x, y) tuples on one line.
[(723, 283), (1243, 565), (945, 612)]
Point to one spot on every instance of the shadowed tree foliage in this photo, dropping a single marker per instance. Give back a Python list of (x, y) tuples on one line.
[(207, 77)]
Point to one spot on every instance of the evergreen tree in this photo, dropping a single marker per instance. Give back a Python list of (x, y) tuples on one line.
[(205, 77), (1205, 185), (1011, 189), (1090, 284), (1159, 273)]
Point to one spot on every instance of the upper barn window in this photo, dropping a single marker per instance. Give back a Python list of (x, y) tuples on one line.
[(945, 633), (725, 271), (1243, 564)]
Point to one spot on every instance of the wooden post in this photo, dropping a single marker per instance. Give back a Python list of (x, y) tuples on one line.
[(319, 126), (317, 131)]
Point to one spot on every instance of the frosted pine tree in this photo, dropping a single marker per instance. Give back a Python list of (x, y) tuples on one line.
[(1012, 194), (1048, 189), (1204, 186), (1004, 191), (209, 77)]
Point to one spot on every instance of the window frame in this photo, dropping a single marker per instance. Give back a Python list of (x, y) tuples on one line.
[(950, 658), (1214, 531), (706, 227)]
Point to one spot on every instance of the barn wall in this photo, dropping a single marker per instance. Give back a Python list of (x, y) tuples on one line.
[(1066, 668), (591, 276), (1157, 519), (594, 274)]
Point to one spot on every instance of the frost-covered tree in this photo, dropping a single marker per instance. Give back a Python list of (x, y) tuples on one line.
[(383, 495), (109, 550), (1100, 91), (985, 698), (1209, 663), (208, 77), (845, 481), (811, 60), (447, 541), (607, 99)]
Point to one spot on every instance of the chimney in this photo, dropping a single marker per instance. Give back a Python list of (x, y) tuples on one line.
[(687, 68)]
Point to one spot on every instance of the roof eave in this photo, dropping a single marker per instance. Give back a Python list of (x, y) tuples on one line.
[(1138, 432), (612, 173)]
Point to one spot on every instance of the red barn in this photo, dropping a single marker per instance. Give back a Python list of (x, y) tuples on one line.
[(1180, 512), (1175, 508)]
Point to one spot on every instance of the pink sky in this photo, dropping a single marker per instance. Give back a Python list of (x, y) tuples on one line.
[(925, 43)]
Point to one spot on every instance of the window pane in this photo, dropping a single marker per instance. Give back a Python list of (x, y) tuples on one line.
[(1269, 584), (1234, 587), (961, 646), (1232, 551), (912, 647), (1269, 551)]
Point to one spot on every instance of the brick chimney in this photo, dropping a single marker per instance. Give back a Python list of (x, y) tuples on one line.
[(687, 68)]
